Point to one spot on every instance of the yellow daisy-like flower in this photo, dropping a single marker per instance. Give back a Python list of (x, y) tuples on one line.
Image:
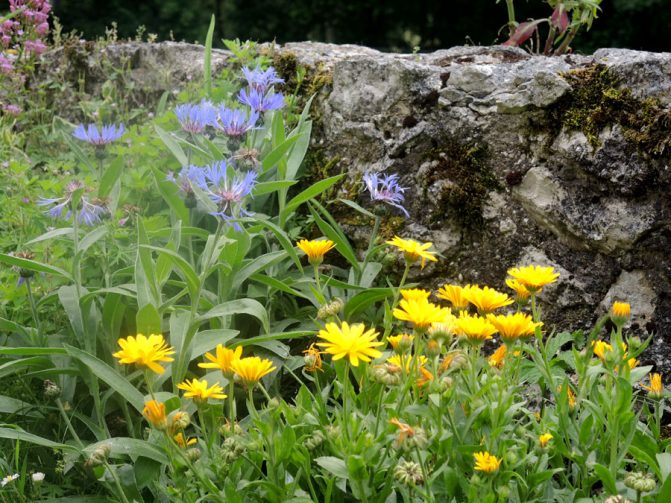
[(498, 357), (351, 341), (425, 378), (485, 462), (145, 351), (620, 312), (415, 294), (476, 328), (183, 442), (544, 439), (421, 313), (454, 294), (222, 360), (407, 362), (656, 388), (199, 392), (252, 369), (315, 249), (601, 348), (513, 326), (534, 277), (520, 290), (413, 251), (154, 413), (444, 330), (486, 299), (401, 342)]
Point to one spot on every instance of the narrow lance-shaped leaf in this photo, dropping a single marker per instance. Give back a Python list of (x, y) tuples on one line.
[(523, 32)]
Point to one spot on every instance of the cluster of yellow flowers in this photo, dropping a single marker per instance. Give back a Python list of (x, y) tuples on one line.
[(148, 352)]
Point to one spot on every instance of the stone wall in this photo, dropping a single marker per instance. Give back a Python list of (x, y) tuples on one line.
[(509, 159)]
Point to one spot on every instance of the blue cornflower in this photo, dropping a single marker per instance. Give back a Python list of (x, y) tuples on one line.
[(187, 178), (228, 190), (386, 189), (107, 134), (256, 100), (89, 212), (194, 118), (236, 122), (261, 80)]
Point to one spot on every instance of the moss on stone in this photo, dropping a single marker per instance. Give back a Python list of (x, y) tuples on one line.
[(466, 180), (597, 101), (313, 79)]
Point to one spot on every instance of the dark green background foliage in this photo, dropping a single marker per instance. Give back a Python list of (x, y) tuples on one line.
[(389, 24)]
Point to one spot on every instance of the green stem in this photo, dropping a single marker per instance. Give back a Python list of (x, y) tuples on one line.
[(231, 403), (68, 424), (377, 410), (117, 482), (33, 309), (425, 474), (202, 421), (397, 295), (371, 244), (147, 380), (512, 23), (345, 393)]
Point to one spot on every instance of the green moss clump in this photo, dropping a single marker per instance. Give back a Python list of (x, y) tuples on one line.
[(597, 101), (304, 80), (470, 179)]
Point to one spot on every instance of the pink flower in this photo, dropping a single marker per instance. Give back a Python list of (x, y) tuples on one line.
[(42, 28), (35, 46)]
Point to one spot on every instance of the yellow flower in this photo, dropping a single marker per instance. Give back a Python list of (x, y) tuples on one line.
[(544, 439), (486, 299), (656, 388), (425, 378), (520, 290), (485, 462), (404, 430), (444, 330), (252, 369), (351, 341), (421, 313), (620, 312), (497, 358), (415, 294), (513, 326), (601, 348), (407, 362), (401, 342), (621, 309), (454, 294), (633, 363), (183, 442), (199, 392), (475, 328), (154, 412), (315, 249), (534, 277), (413, 250), (312, 359), (570, 395), (223, 359), (145, 351)]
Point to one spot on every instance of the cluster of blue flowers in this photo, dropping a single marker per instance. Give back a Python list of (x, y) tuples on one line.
[(195, 118)]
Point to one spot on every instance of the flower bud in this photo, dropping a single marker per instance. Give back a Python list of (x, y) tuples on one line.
[(620, 312), (432, 348), (387, 374), (98, 456), (226, 431), (616, 499), (179, 420), (331, 309), (315, 440), (409, 473), (51, 390), (193, 454), (37, 478), (641, 482)]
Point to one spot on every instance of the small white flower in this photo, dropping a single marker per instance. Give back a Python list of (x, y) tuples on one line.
[(38, 477), (8, 479)]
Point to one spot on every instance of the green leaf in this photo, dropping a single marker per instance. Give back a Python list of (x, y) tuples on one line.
[(55, 233), (148, 320), (644, 457), (298, 151), (268, 187), (111, 176), (133, 447), (606, 478), (341, 243), (170, 194), (277, 285), (356, 207), (311, 192), (10, 405), (33, 439), (335, 466), (184, 268), (32, 265), (247, 306), (207, 66), (664, 460), (146, 471), (277, 153), (207, 340), (363, 300), (283, 239), (110, 376), (664, 495), (91, 238), (172, 145), (256, 265), (32, 351)]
